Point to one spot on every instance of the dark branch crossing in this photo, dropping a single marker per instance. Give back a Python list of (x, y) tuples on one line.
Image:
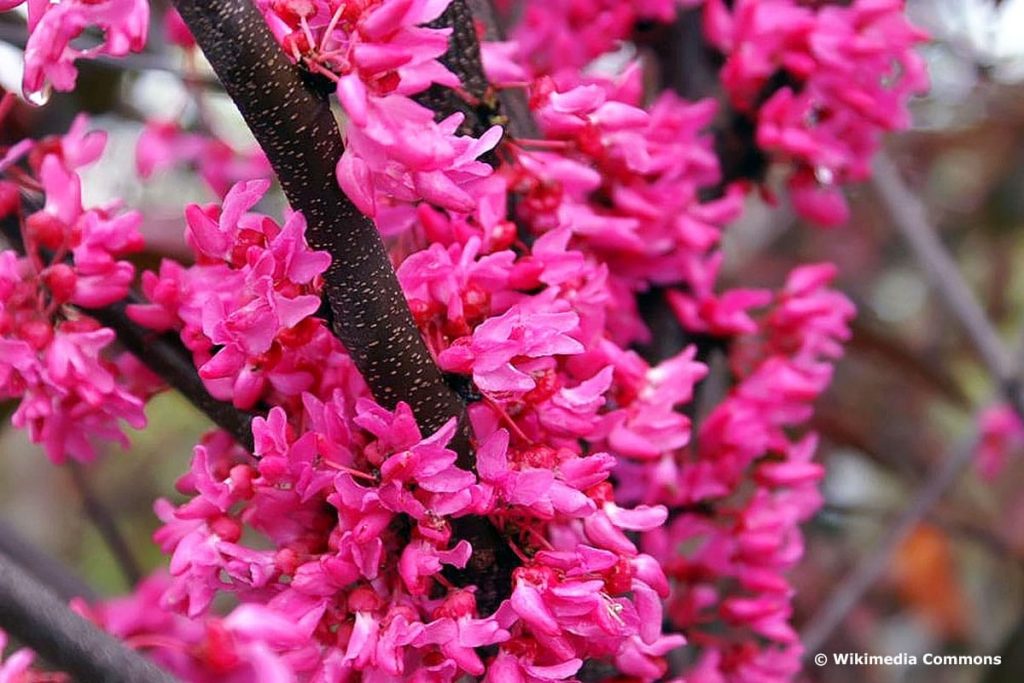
[(292, 121)]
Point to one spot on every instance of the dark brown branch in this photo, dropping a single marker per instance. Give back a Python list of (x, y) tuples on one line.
[(462, 59), (40, 620), (106, 525), (509, 107), (479, 103), (684, 64), (293, 124), (45, 568), (515, 108), (684, 61), (492, 563), (292, 121)]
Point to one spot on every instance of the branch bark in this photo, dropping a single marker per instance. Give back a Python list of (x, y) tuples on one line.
[(294, 125), (292, 121), (515, 107), (47, 569), (41, 621), (166, 356)]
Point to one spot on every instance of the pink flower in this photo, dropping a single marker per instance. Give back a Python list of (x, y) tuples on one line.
[(496, 343), (16, 666), (252, 294), (49, 55), (651, 424), (336, 538), (163, 144), (1002, 434), (380, 169)]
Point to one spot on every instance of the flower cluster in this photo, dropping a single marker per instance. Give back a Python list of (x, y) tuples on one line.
[(562, 37), (629, 182), (822, 83), (749, 536), (73, 390), (379, 55), (356, 503), (244, 309), (53, 27), (525, 263)]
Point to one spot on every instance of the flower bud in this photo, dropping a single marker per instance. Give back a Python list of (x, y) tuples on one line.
[(60, 279), (10, 199), (45, 230)]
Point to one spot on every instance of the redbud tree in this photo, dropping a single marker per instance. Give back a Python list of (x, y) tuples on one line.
[(463, 427)]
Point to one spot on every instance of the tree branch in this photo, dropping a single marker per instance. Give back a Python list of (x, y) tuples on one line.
[(462, 59), (909, 218), (64, 583), (684, 61), (41, 621), (167, 357), (106, 525), (855, 584), (293, 123), (515, 108)]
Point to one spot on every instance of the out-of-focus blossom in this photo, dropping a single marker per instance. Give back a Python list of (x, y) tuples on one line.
[(1002, 435), (55, 27)]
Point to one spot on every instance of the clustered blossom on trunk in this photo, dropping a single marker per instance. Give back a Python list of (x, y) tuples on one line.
[(637, 532)]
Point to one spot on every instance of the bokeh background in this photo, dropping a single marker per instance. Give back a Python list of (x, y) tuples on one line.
[(905, 398)]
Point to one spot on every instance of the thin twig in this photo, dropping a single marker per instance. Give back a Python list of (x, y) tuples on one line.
[(106, 525), (167, 357), (869, 341), (969, 532), (40, 620), (47, 569), (909, 218), (853, 586)]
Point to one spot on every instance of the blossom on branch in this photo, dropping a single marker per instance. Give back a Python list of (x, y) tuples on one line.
[(74, 388)]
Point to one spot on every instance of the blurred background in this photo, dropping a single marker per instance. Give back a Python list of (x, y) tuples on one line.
[(905, 398)]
